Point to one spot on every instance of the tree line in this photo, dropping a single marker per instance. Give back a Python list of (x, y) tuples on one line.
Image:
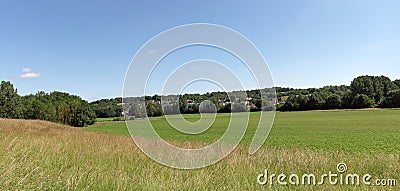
[(221, 102), (363, 92), (55, 106)]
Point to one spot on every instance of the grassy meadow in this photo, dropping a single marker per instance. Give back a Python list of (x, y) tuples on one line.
[(39, 155)]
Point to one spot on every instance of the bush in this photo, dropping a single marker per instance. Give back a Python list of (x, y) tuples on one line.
[(119, 119)]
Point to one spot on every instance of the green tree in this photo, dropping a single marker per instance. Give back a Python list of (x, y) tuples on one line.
[(315, 101), (397, 84), (107, 107), (383, 85), (392, 100), (80, 113), (333, 102), (9, 101), (363, 85), (39, 106), (375, 87), (58, 107), (153, 110), (295, 103), (347, 100), (363, 101)]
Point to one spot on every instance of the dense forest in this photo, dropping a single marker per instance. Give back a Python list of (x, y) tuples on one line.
[(55, 106), (363, 92)]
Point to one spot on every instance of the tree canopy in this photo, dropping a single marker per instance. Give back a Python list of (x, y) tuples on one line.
[(9, 101), (56, 107)]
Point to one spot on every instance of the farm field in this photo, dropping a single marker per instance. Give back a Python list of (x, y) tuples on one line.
[(46, 156), (349, 131)]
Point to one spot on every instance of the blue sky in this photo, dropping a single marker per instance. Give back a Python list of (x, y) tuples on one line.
[(85, 47)]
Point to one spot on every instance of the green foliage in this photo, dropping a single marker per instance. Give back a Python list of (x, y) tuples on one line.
[(363, 101), (396, 84), (80, 114), (106, 108), (392, 100), (10, 106), (118, 119), (153, 110), (347, 100), (295, 103), (333, 102), (375, 87), (39, 106), (315, 101), (364, 92), (56, 107), (363, 85)]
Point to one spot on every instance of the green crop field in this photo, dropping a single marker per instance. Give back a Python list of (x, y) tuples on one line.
[(350, 131), (39, 155)]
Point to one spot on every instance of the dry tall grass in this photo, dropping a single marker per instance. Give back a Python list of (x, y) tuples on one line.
[(46, 156)]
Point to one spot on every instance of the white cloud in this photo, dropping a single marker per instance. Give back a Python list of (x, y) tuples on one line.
[(27, 73), (30, 75), (26, 70)]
